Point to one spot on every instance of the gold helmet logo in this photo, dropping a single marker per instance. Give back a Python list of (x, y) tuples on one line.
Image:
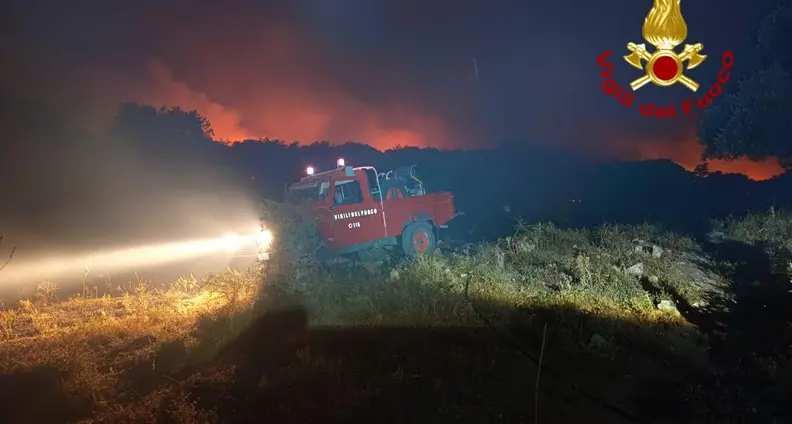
[(665, 29)]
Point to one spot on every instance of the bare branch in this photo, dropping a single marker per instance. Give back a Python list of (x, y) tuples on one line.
[(10, 256)]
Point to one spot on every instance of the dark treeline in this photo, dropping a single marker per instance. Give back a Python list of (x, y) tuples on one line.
[(157, 174)]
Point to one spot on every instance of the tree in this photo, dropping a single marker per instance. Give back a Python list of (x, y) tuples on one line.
[(144, 121), (168, 134), (751, 118), (701, 170)]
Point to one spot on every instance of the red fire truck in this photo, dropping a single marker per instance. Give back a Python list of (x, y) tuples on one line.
[(361, 211)]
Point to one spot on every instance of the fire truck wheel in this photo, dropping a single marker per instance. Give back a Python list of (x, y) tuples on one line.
[(418, 238)]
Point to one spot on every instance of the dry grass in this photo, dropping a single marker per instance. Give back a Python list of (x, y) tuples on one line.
[(123, 359), (98, 347), (773, 227), (771, 230)]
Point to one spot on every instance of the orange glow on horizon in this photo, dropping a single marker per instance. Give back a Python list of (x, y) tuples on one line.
[(686, 152), (298, 119)]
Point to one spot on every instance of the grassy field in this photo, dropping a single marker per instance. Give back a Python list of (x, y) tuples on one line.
[(613, 324)]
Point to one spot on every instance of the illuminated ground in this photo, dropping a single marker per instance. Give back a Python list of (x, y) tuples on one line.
[(107, 280), (403, 343)]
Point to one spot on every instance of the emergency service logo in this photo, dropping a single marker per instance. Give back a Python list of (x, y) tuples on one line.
[(664, 28)]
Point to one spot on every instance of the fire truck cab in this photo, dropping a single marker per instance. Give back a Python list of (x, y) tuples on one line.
[(359, 210)]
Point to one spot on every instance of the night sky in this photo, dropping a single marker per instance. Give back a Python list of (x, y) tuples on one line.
[(385, 72)]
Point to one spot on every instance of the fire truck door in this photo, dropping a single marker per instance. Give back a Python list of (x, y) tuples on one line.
[(321, 211), (356, 218)]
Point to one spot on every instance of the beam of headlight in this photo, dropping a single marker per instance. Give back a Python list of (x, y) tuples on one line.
[(131, 258)]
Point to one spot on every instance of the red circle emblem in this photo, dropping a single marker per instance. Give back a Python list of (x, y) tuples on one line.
[(665, 68)]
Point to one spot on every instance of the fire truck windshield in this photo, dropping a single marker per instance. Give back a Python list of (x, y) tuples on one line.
[(307, 193)]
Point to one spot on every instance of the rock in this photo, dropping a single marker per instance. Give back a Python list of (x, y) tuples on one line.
[(394, 274), (695, 267), (667, 306), (657, 251), (716, 237), (598, 341), (637, 269)]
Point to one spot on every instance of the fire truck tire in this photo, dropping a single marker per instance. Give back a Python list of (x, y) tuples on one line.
[(418, 238)]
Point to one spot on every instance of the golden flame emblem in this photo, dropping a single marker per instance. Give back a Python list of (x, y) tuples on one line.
[(665, 29)]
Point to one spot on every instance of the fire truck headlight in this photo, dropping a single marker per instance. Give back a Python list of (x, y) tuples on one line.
[(264, 238)]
